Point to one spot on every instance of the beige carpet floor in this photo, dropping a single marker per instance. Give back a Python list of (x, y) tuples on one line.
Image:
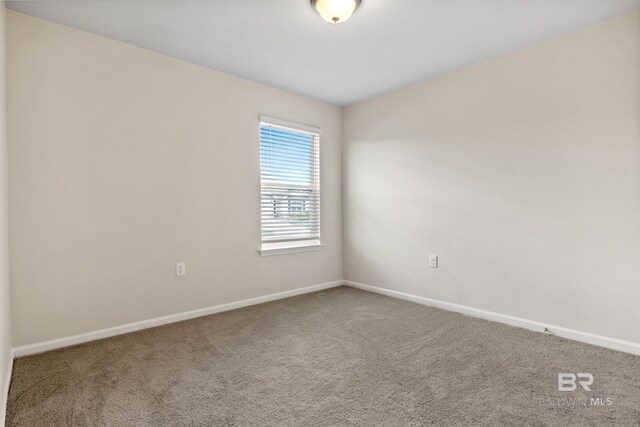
[(339, 357)]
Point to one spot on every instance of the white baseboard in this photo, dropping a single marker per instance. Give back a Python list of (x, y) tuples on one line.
[(586, 337), (5, 389), (40, 347), (613, 343)]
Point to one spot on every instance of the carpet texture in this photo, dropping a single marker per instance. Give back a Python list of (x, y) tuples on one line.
[(338, 357)]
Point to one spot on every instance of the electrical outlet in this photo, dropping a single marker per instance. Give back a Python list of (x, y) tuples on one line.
[(433, 261), (181, 268)]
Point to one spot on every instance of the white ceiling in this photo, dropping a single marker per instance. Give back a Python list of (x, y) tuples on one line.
[(387, 44)]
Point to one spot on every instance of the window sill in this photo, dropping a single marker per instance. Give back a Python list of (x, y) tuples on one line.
[(270, 249)]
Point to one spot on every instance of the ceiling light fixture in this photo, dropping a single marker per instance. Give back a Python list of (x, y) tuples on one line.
[(335, 11)]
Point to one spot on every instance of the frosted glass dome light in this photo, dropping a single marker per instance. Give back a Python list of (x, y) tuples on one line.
[(335, 11)]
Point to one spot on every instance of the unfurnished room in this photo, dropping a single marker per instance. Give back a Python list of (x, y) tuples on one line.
[(319, 213)]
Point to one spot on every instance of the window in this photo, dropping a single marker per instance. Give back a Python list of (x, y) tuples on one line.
[(289, 186)]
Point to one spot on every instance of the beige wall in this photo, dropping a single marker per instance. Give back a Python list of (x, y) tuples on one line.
[(522, 173), (123, 162), (5, 312)]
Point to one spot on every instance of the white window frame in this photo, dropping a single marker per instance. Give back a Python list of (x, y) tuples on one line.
[(292, 246)]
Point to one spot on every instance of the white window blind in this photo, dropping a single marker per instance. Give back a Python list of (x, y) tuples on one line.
[(289, 184)]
